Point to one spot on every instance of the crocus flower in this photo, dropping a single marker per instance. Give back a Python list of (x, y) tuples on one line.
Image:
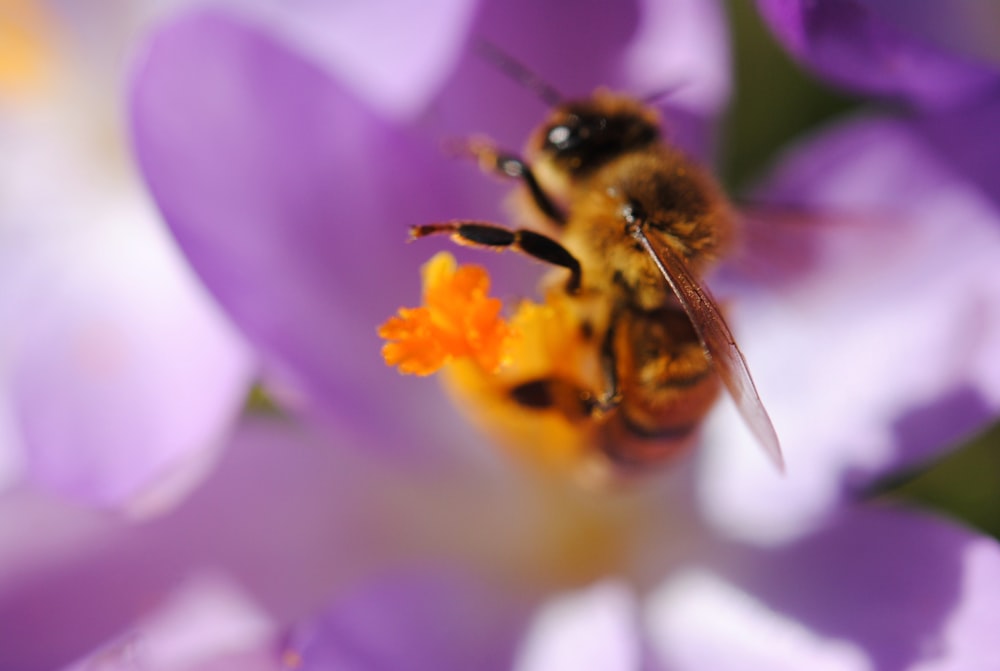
[(371, 528)]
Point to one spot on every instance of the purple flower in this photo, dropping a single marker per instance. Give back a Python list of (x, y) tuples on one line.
[(373, 529), (935, 54)]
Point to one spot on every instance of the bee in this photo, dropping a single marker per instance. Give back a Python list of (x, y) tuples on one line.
[(630, 224)]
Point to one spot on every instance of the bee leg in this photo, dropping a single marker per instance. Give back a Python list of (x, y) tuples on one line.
[(509, 165), (609, 399), (491, 236)]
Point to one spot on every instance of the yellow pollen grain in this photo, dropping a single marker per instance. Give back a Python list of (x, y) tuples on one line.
[(458, 320), (547, 347)]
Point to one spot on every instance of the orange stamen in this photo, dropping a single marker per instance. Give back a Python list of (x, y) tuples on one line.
[(458, 320)]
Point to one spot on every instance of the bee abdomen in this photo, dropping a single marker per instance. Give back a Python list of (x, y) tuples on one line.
[(630, 444), (657, 432)]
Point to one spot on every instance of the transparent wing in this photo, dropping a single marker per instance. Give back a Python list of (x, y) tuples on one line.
[(718, 341)]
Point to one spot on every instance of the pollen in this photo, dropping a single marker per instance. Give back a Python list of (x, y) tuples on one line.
[(458, 320)]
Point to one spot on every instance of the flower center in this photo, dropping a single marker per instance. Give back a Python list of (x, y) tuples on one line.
[(521, 381)]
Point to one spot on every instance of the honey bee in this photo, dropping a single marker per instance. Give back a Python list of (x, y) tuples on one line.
[(630, 225)]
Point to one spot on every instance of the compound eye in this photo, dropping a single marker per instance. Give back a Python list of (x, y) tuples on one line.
[(563, 137)]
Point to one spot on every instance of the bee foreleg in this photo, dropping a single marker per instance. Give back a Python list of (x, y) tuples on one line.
[(507, 164), (480, 234)]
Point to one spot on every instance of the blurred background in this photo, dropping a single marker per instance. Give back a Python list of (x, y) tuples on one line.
[(775, 102)]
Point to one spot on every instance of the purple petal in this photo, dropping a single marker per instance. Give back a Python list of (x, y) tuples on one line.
[(701, 621), (960, 137), (116, 365), (681, 47), (638, 47), (854, 45), (415, 619), (395, 56), (123, 367), (964, 26), (285, 515), (872, 331), (208, 623), (292, 200), (68, 582), (298, 523), (875, 589)]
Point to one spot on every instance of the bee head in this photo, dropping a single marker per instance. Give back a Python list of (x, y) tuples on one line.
[(581, 136)]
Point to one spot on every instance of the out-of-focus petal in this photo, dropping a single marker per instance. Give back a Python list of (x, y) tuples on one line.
[(284, 516), (371, 47), (964, 26), (414, 618), (393, 55), (681, 50), (636, 47), (855, 45), (67, 583), (688, 41), (700, 621), (115, 362), (292, 201), (872, 331), (122, 366), (298, 521), (207, 623), (11, 452), (593, 628), (874, 589), (962, 137)]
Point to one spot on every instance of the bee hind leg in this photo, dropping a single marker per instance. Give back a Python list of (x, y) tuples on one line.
[(611, 397), (491, 236)]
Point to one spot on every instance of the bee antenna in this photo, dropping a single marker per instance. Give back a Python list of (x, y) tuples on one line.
[(518, 72), (661, 94)]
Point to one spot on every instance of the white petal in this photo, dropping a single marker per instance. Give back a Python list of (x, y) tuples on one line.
[(698, 621), (594, 628)]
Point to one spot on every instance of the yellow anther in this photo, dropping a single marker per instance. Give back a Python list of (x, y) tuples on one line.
[(458, 320)]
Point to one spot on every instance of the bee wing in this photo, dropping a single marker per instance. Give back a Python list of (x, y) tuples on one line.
[(782, 243), (718, 341)]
